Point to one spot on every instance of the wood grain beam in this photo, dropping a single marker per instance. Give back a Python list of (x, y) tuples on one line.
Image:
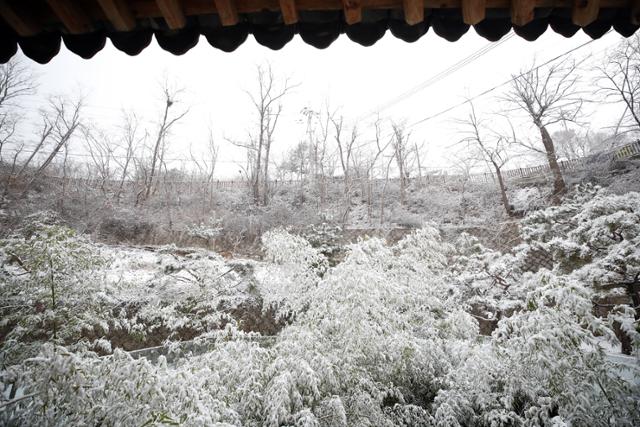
[(173, 14), (289, 11), (227, 12), (585, 12), (146, 8), (71, 15), (21, 23), (473, 11), (413, 11), (522, 11), (119, 13), (635, 12), (352, 11)]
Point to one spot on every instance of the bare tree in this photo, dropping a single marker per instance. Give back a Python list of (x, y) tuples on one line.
[(383, 193), (548, 97), (619, 79), (169, 97), (16, 82), (318, 130), (464, 163), (417, 150), (345, 142), (206, 166), (65, 123), (101, 152), (491, 149), (268, 105), (59, 123), (371, 163), (402, 152), (130, 143), (45, 130)]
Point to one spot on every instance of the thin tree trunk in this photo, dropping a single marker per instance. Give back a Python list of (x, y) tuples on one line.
[(559, 187), (503, 191)]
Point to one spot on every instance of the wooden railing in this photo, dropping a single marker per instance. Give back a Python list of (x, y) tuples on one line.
[(620, 153)]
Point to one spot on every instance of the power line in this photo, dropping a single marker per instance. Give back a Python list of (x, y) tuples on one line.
[(441, 75), (481, 94), (466, 101)]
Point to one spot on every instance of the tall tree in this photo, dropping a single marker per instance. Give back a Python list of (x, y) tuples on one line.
[(490, 148), (267, 102), (402, 151), (169, 98), (345, 142), (130, 142), (548, 96)]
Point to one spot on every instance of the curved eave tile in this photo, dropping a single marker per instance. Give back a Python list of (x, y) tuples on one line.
[(85, 45), (42, 47)]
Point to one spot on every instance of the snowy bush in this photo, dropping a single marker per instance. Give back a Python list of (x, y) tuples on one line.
[(48, 287), (387, 337)]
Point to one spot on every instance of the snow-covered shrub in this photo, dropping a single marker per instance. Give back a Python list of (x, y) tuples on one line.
[(207, 230), (594, 238), (294, 268), (48, 286), (326, 238), (527, 199), (543, 366)]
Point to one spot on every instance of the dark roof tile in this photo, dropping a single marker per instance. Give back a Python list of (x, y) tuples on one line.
[(131, 42), (85, 45)]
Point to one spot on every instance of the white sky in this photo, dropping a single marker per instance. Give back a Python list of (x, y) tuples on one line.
[(352, 77)]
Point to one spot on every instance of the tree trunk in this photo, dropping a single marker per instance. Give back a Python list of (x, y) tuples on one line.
[(265, 184), (156, 149), (559, 187), (503, 191)]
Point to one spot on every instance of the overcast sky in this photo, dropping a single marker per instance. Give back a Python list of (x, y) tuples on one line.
[(358, 80)]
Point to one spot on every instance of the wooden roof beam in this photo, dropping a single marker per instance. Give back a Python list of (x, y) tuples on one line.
[(289, 11), (522, 11), (473, 11), (21, 23), (227, 12), (413, 11), (635, 12), (585, 12), (173, 14), (72, 16), (119, 14), (352, 11)]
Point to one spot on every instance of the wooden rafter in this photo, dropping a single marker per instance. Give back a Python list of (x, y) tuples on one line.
[(119, 14), (21, 23), (71, 15), (289, 11), (522, 11), (473, 11), (585, 12), (635, 12), (173, 14), (352, 11), (149, 8), (413, 11), (227, 11)]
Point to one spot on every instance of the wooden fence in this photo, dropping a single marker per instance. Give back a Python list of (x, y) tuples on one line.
[(441, 177)]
